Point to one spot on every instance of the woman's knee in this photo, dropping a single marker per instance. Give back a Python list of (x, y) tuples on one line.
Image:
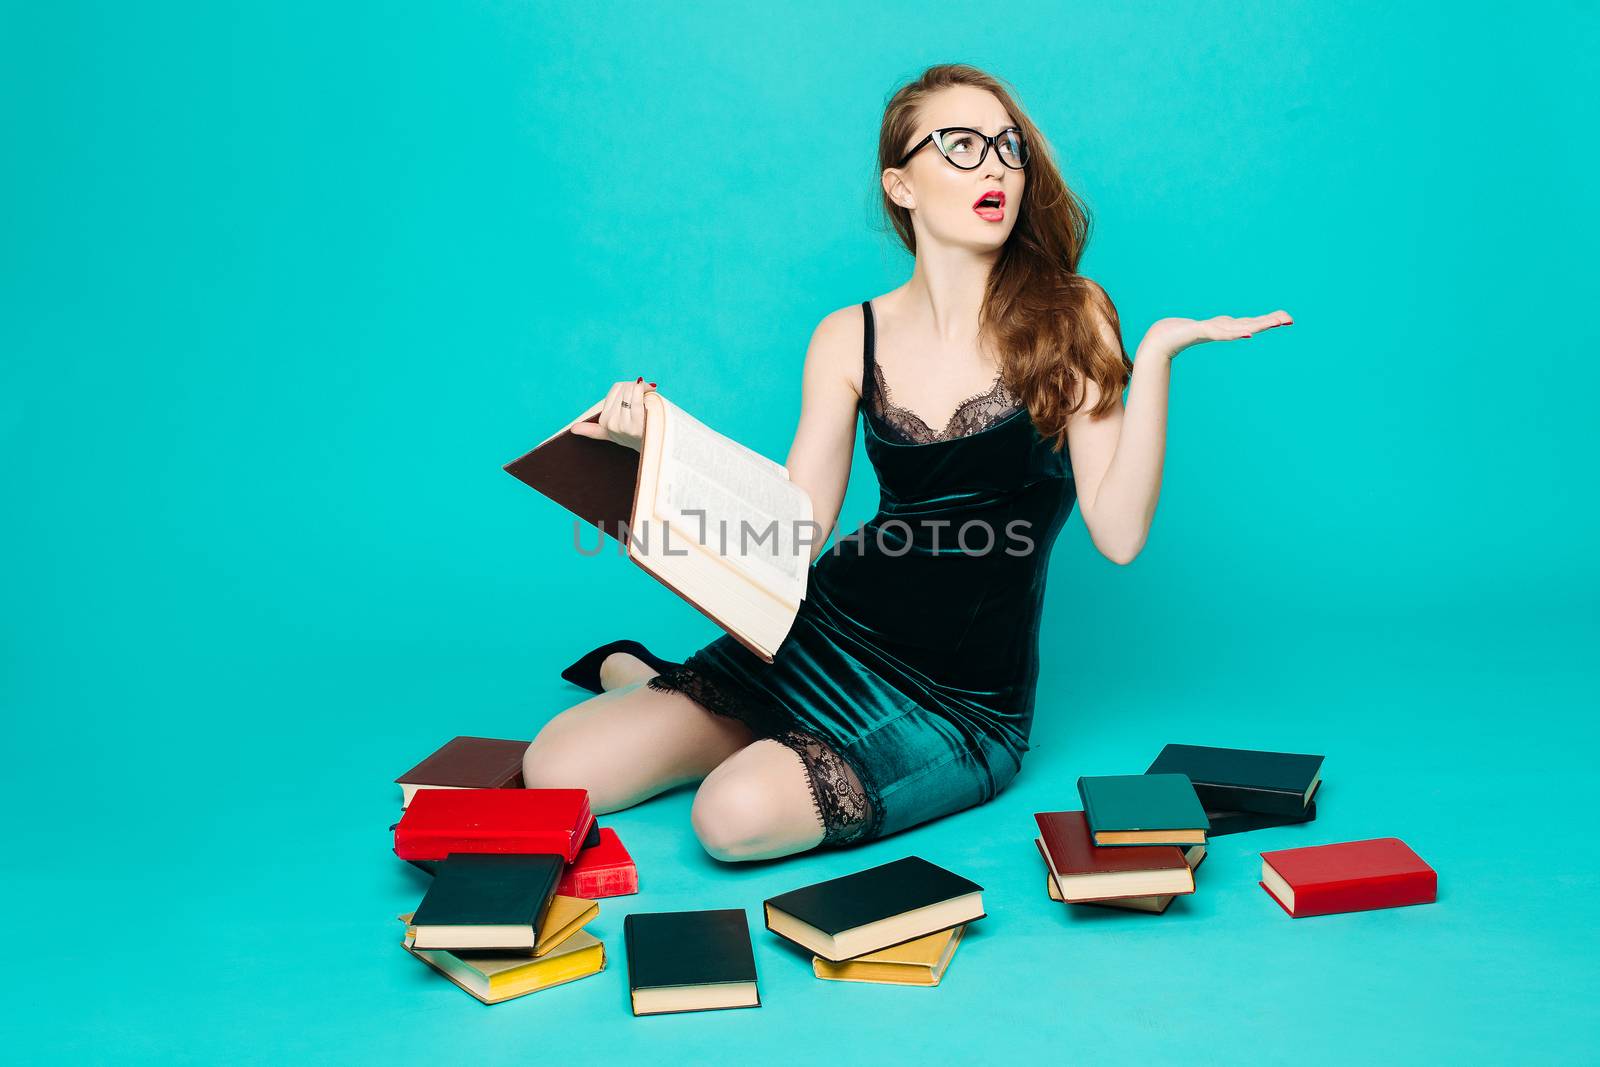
[(733, 820), (1004, 765), (754, 814)]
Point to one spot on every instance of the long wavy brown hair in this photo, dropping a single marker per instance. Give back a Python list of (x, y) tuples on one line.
[(1040, 315)]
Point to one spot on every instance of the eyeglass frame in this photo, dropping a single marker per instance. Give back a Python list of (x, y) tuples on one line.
[(988, 143)]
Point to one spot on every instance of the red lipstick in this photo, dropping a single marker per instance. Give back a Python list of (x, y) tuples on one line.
[(991, 206)]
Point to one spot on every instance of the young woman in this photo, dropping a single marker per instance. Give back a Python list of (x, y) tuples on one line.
[(990, 391)]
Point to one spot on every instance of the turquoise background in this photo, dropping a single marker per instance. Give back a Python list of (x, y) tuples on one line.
[(282, 286)]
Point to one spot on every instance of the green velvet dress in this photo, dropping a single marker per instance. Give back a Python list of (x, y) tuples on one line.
[(907, 682)]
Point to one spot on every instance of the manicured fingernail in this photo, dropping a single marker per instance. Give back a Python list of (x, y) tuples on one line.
[(652, 385), (640, 378)]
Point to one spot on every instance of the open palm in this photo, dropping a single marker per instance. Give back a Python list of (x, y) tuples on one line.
[(1174, 335)]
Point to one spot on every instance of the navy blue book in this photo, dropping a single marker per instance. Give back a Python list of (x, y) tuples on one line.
[(1244, 779)]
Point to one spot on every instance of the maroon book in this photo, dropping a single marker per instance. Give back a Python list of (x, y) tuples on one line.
[(467, 763), (1350, 876), (442, 821), (1084, 871)]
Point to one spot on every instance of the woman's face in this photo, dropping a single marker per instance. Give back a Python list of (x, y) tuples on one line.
[(944, 199)]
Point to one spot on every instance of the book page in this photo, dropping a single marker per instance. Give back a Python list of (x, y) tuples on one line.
[(738, 503)]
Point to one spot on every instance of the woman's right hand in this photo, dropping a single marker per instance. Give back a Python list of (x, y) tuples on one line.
[(621, 416)]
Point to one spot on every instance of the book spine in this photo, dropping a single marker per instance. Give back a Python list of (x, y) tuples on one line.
[(1245, 798), (437, 844), (606, 882), (1366, 894), (1088, 810), (627, 951)]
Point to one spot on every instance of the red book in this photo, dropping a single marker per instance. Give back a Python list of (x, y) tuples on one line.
[(606, 870), (1085, 871), (441, 821), (1350, 876)]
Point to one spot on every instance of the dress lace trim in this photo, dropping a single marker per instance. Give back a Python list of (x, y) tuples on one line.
[(836, 793), (847, 807), (974, 414), (977, 412)]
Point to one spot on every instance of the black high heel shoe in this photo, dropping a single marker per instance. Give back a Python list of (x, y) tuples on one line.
[(585, 673)]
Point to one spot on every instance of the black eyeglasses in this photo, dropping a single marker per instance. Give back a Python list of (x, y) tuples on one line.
[(968, 148)]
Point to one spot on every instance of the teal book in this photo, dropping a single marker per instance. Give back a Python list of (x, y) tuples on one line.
[(1143, 809)]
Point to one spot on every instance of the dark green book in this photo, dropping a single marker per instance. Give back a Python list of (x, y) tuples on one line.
[(1244, 779), (690, 961), (873, 909), (1143, 809), (487, 900)]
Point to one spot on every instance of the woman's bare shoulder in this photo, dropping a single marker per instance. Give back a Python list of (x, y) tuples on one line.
[(836, 345), (841, 324)]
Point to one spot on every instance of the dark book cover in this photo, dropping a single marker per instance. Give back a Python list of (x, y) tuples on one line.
[(1126, 803), (490, 889), (593, 479), (1066, 841), (881, 892), (471, 762), (688, 948), (1242, 779), (1238, 822)]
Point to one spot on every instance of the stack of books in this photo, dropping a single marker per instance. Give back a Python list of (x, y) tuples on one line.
[(516, 872), (898, 923), (1135, 845), (477, 765), (1244, 789), (1140, 837), (493, 924)]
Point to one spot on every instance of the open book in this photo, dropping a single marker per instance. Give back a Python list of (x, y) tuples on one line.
[(717, 523)]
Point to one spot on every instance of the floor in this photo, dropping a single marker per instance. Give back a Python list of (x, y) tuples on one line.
[(245, 911)]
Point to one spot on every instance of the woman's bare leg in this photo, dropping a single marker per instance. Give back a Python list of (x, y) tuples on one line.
[(757, 805), (623, 668), (630, 743)]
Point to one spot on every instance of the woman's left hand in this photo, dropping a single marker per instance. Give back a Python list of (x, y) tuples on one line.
[(1172, 336)]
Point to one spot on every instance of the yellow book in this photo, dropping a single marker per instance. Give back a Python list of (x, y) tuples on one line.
[(565, 917), (493, 978), (919, 962)]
